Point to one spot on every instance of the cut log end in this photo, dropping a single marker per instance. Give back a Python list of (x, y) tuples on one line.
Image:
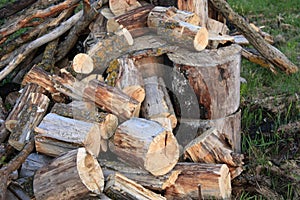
[(83, 63), (225, 182), (201, 39)]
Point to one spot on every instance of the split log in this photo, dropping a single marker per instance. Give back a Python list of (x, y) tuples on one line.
[(217, 27), (112, 100), (141, 143), (215, 40), (268, 51), (212, 147), (83, 63), (140, 176), (177, 31), (119, 7), (235, 171), (32, 163), (33, 108), (74, 175), (214, 180), (215, 78), (149, 65), (157, 102), (120, 187), (199, 7), (57, 135), (135, 21)]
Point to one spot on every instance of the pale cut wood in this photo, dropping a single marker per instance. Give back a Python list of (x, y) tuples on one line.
[(214, 180), (57, 135), (120, 187), (217, 27), (157, 102), (215, 39), (142, 143), (74, 175), (83, 63), (175, 30), (119, 7)]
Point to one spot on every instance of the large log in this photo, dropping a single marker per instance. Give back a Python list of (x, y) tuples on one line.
[(214, 180), (175, 30), (74, 175), (215, 78), (141, 143), (57, 135), (120, 187)]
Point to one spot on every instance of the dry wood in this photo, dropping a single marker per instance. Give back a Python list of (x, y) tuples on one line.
[(14, 7), (149, 65), (140, 176), (74, 175), (32, 163), (33, 108), (217, 27), (142, 143), (213, 178), (56, 135), (212, 147), (235, 171), (241, 40), (119, 7), (120, 187), (215, 78), (177, 30), (83, 63), (157, 102), (268, 51), (215, 40)]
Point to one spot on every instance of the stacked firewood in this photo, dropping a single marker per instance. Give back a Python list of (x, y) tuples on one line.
[(146, 108)]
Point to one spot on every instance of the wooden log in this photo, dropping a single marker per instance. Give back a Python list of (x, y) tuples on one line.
[(215, 78), (33, 110), (214, 180), (32, 163), (157, 102), (112, 100), (141, 143), (272, 54), (138, 175), (12, 8), (119, 7), (57, 135), (120, 187), (149, 65), (235, 171), (83, 63), (212, 147), (199, 7), (217, 27), (176, 31), (74, 175), (215, 40)]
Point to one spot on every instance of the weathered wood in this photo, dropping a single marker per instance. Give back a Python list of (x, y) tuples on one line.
[(176, 30), (57, 135), (32, 163), (212, 147), (157, 102), (120, 187), (215, 78), (216, 40), (217, 27), (33, 108), (74, 175), (268, 51), (235, 171), (213, 178), (83, 63), (119, 7), (12, 8), (143, 177), (141, 143)]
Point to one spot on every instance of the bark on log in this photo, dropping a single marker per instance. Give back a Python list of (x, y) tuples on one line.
[(157, 102), (119, 7), (74, 175), (83, 63), (175, 30), (120, 187), (215, 78), (141, 143), (57, 135), (212, 147), (213, 178), (12, 8), (32, 163), (268, 51), (149, 65), (140, 176)]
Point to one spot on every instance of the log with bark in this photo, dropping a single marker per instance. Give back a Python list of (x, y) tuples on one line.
[(119, 7), (32, 163)]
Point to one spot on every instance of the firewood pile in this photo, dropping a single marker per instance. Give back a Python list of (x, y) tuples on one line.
[(121, 100)]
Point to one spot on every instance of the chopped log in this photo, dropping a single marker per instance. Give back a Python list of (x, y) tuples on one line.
[(212, 147), (135, 21), (215, 40), (57, 135), (213, 178), (140, 176), (235, 171), (265, 35), (215, 78), (141, 143), (83, 63), (74, 175), (112, 100), (157, 102), (175, 30), (241, 40), (33, 108), (32, 163), (217, 27), (199, 7), (268, 51), (119, 7), (120, 187)]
